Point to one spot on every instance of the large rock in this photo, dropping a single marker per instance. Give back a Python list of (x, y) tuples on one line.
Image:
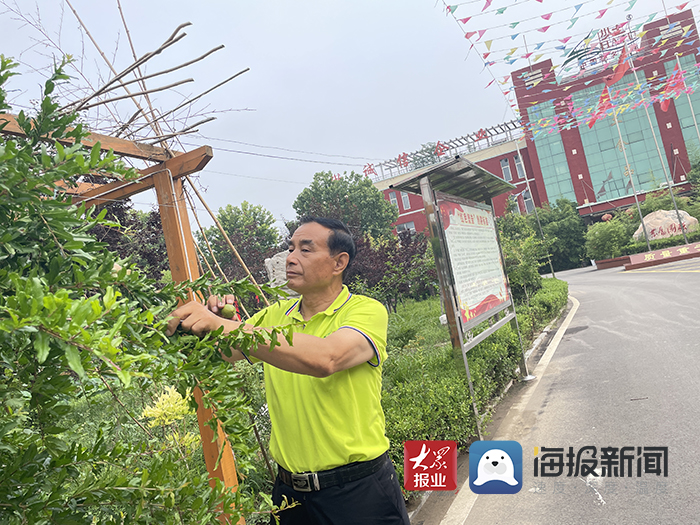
[(662, 223), (276, 271)]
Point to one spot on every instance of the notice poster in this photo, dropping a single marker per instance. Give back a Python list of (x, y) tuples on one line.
[(472, 246)]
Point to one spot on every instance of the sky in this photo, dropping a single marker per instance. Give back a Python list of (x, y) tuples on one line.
[(333, 85)]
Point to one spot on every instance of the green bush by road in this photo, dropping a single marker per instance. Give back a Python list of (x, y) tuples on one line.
[(426, 394)]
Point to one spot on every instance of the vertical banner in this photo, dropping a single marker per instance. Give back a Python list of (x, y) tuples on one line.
[(475, 258)]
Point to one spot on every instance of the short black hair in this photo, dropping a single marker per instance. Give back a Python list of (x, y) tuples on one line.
[(339, 240)]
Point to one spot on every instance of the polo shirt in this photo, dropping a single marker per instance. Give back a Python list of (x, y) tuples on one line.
[(323, 423)]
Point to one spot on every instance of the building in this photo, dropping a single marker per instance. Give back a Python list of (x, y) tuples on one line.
[(625, 110)]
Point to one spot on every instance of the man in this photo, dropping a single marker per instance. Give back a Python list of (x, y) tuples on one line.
[(324, 390)]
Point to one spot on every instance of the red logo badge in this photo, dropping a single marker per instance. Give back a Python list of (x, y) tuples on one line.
[(430, 465)]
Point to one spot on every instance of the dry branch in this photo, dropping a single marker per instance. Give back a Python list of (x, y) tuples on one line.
[(160, 117), (184, 131), (137, 94), (228, 241)]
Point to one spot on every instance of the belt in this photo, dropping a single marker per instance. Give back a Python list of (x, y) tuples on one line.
[(313, 481)]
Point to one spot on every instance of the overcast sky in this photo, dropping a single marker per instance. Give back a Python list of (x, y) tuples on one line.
[(368, 79)]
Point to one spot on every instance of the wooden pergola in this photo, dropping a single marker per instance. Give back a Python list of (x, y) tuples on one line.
[(165, 176)]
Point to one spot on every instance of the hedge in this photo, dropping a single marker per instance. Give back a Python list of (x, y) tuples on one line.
[(426, 394)]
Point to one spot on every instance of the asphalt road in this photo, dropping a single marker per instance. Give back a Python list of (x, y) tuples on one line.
[(626, 373)]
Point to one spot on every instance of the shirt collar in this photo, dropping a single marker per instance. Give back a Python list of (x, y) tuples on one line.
[(343, 297)]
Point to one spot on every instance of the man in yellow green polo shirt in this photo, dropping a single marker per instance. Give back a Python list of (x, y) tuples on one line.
[(324, 390)]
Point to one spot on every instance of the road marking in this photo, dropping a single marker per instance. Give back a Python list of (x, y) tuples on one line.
[(462, 505)]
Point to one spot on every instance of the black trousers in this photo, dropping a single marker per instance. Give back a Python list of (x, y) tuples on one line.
[(372, 500)]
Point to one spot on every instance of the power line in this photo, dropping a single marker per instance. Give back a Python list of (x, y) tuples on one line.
[(277, 156), (290, 150), (252, 177)]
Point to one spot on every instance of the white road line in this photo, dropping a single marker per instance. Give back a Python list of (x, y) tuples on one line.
[(463, 503)]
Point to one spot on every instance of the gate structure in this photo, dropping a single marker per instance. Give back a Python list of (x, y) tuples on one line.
[(457, 196)]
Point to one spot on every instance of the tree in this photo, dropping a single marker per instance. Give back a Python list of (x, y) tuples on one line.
[(139, 236), (606, 240), (74, 329), (565, 230), (352, 199), (524, 253), (253, 233), (394, 268)]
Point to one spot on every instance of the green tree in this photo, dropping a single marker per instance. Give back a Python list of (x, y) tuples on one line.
[(73, 329), (606, 240), (524, 253), (252, 231), (565, 231), (352, 199), (139, 237)]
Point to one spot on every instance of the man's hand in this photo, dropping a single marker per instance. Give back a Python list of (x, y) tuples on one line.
[(216, 303), (197, 318)]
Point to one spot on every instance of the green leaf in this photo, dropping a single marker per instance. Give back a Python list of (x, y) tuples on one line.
[(95, 155), (125, 377), (73, 245), (74, 362), (41, 346)]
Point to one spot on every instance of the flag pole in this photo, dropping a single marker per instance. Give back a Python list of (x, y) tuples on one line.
[(629, 173), (651, 126), (678, 63), (653, 134)]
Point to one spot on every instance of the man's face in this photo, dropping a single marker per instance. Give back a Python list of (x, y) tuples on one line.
[(310, 266)]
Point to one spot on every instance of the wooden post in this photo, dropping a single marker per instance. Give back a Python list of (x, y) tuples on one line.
[(183, 265)]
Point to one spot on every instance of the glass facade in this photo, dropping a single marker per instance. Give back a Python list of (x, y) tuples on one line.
[(690, 134), (550, 151), (603, 149)]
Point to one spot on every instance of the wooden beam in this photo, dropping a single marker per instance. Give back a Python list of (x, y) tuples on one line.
[(121, 147), (190, 162), (176, 228), (183, 266)]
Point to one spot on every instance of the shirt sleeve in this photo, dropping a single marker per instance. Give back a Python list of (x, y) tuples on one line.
[(370, 318), (258, 319)]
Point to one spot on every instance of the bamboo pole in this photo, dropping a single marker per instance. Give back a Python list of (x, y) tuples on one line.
[(211, 250), (230, 244)]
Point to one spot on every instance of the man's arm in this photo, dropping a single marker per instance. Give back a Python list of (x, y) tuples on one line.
[(308, 354)]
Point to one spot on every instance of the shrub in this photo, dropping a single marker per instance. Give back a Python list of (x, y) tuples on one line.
[(523, 254), (426, 394), (606, 240), (658, 244)]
